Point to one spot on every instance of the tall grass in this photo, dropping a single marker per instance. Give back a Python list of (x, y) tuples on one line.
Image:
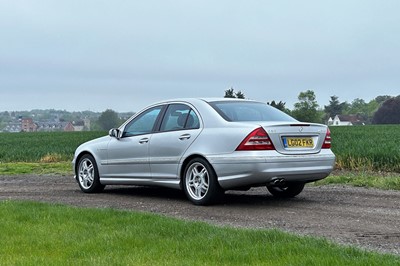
[(362, 148), (42, 146), (45, 234), (367, 148)]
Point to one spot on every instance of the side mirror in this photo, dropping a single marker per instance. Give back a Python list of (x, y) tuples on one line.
[(114, 132)]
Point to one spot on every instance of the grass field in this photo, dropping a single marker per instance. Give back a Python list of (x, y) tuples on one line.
[(36, 233), (47, 234), (44, 147), (367, 148), (360, 148), (367, 156)]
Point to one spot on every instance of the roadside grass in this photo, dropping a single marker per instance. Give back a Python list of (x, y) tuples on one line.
[(58, 168), (381, 180), (47, 234)]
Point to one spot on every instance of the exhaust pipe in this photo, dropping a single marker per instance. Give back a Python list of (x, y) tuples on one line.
[(278, 182)]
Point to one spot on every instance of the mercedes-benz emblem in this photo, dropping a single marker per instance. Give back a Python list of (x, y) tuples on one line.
[(301, 129)]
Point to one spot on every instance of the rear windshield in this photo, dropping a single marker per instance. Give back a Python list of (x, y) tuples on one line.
[(249, 111)]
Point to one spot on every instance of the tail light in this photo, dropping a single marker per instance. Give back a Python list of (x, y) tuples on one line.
[(258, 139), (327, 140)]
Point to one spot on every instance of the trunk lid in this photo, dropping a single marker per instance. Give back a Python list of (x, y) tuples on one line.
[(296, 137)]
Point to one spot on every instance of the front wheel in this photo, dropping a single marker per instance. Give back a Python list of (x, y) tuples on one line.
[(286, 191), (88, 175), (200, 182)]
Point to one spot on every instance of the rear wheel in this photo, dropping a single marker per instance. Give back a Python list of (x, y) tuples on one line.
[(286, 191), (88, 175), (200, 182)]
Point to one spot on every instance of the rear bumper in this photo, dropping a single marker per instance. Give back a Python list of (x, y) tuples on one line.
[(252, 169)]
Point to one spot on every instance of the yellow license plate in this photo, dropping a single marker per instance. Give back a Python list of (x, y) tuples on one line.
[(291, 142)]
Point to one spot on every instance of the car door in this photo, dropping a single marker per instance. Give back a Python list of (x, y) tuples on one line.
[(128, 156), (179, 128)]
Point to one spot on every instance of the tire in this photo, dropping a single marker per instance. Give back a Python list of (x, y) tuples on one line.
[(286, 191), (88, 175), (200, 183)]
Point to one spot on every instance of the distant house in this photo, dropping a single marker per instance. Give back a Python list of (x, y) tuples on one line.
[(51, 125), (68, 127), (55, 126), (13, 127), (345, 120), (81, 125), (27, 125)]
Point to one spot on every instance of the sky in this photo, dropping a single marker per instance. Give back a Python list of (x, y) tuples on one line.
[(79, 55)]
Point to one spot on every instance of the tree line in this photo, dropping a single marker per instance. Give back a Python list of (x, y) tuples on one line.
[(381, 110), (384, 109)]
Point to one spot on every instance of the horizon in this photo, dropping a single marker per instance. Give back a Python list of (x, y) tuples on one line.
[(321, 107)]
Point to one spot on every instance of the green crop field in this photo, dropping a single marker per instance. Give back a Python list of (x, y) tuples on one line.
[(363, 148), (367, 148), (42, 146)]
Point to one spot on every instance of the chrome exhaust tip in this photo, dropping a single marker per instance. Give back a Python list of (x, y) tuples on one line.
[(277, 182)]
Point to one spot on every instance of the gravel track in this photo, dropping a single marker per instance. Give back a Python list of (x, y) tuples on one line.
[(367, 218)]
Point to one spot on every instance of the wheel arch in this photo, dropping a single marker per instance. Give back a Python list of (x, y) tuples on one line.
[(78, 158), (186, 162)]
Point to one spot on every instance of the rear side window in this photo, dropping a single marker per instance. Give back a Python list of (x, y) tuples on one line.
[(249, 111), (179, 116)]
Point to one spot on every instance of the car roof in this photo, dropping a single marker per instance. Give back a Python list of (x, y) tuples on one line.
[(208, 100), (226, 100)]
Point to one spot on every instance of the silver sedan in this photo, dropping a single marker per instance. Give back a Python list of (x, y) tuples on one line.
[(207, 146)]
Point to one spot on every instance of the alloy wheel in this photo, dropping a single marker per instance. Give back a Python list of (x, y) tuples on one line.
[(197, 181)]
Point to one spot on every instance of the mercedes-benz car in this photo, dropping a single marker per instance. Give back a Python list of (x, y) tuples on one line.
[(205, 147)]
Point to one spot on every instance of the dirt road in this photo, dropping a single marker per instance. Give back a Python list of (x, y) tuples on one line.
[(368, 218)]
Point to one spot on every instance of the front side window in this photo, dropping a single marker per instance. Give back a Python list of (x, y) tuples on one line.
[(143, 124), (179, 116)]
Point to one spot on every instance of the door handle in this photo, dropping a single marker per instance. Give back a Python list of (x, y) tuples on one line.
[(185, 136), (144, 140)]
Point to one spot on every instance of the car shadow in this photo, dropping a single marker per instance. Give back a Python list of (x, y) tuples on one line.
[(230, 198), (146, 192)]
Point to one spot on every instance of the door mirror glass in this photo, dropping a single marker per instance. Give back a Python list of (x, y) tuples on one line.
[(114, 132)]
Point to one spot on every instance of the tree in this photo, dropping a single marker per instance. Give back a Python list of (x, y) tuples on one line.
[(280, 106), (364, 110), (230, 93), (306, 109), (382, 98), (389, 112), (358, 105), (239, 95), (108, 119), (335, 107)]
